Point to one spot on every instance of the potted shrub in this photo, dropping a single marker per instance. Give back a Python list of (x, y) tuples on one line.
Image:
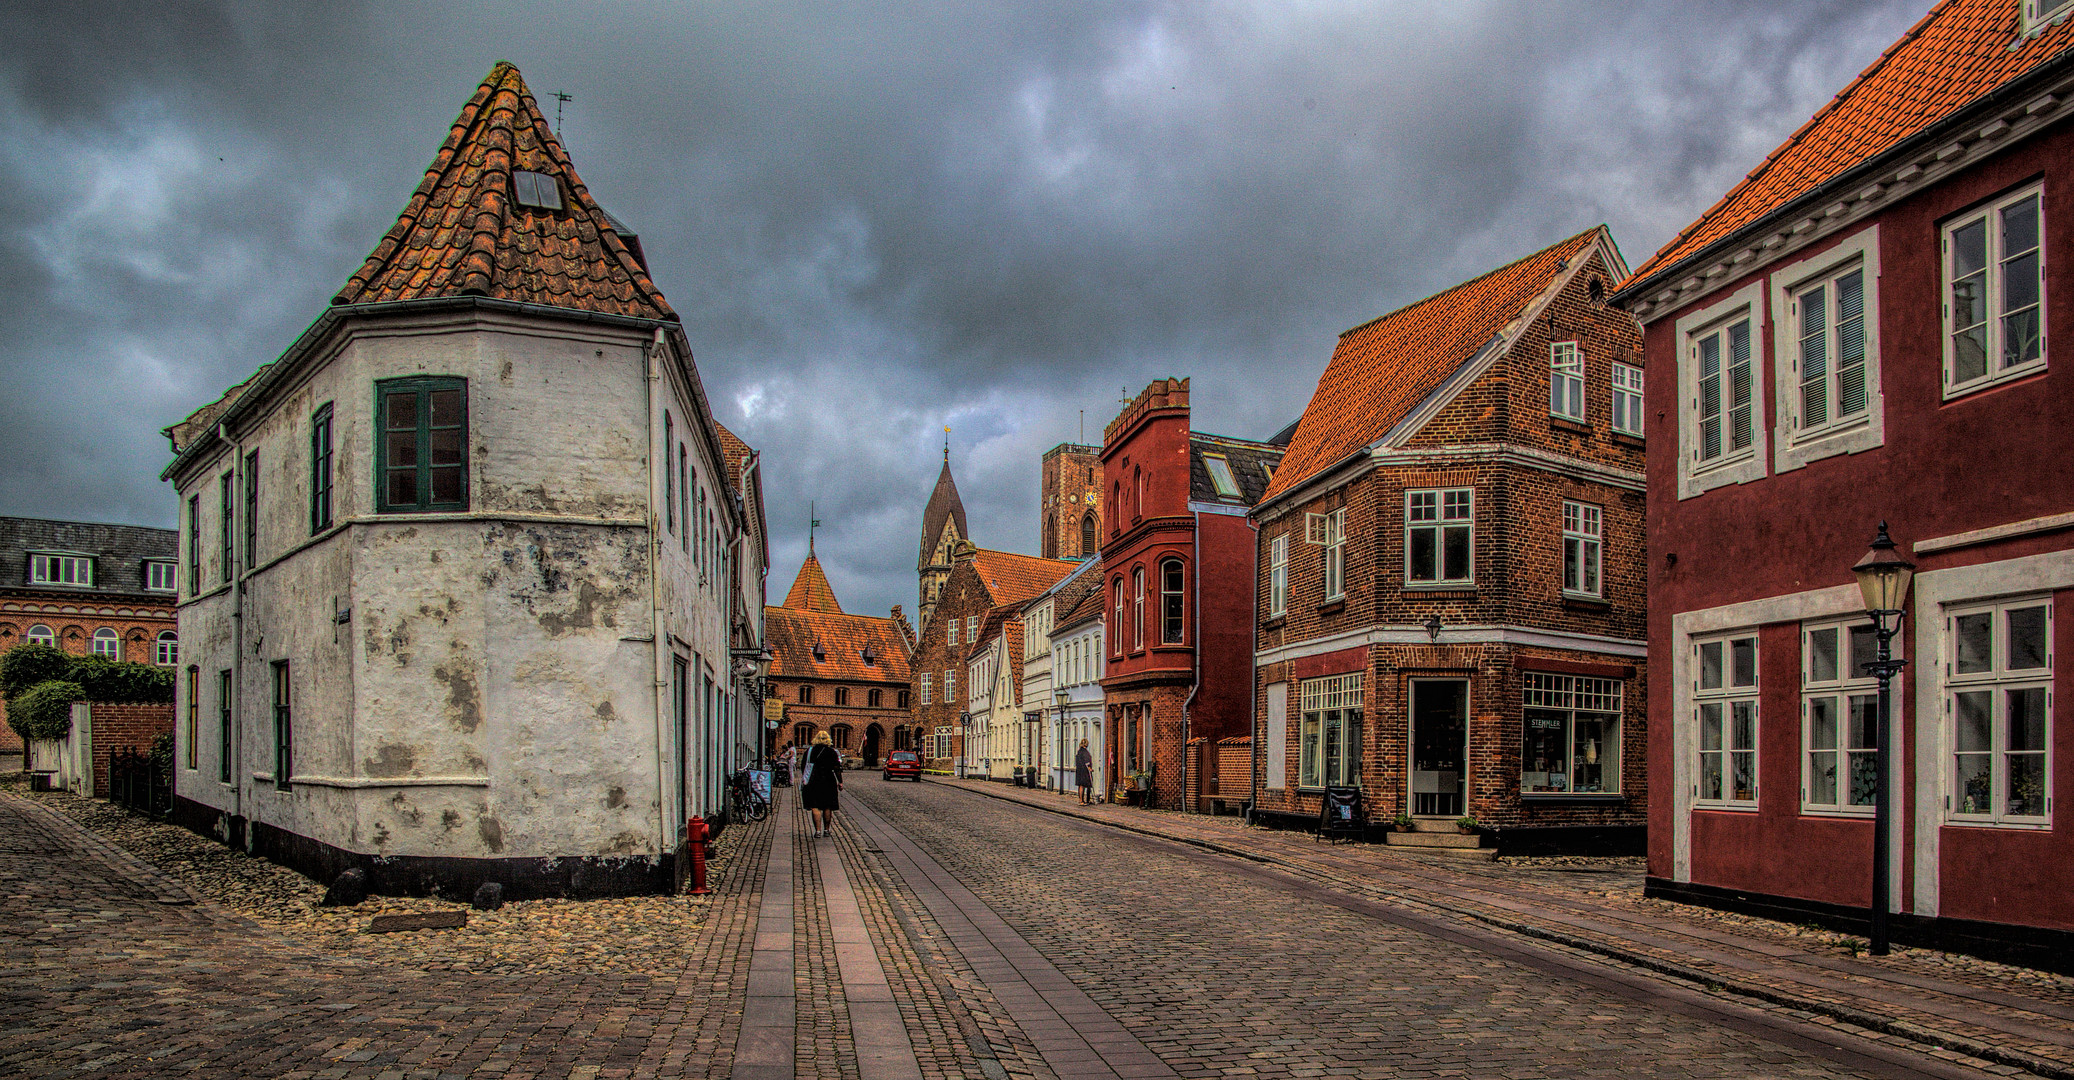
[(1402, 823), (1466, 824)]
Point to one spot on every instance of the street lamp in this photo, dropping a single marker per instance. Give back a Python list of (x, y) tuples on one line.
[(1883, 578), (1062, 698)]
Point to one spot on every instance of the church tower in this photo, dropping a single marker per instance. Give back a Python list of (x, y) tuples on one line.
[(943, 525), (1071, 522)]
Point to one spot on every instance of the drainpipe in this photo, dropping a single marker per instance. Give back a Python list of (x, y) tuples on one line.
[(651, 353), (1254, 751), (1195, 651), (240, 774)]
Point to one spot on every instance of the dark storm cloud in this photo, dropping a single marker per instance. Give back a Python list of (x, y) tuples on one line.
[(877, 220)]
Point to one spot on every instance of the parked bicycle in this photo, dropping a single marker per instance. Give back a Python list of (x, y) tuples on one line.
[(744, 802)]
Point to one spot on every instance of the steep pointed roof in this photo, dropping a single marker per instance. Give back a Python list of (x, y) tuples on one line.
[(464, 233), (1959, 53), (845, 640), (944, 505), (1382, 369), (810, 589)]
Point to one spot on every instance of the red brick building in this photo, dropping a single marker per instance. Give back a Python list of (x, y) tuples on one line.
[(1178, 564), (1450, 570), (1862, 330), (836, 672), (87, 588), (979, 583), (1070, 525)]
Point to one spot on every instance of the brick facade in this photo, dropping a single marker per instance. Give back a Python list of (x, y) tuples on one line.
[(72, 621), (1496, 438), (979, 583), (1070, 512), (125, 727)]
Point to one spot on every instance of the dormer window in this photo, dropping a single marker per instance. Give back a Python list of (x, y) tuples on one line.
[(160, 576), (2038, 14), (58, 568), (1221, 478), (820, 654), (870, 657), (537, 190)]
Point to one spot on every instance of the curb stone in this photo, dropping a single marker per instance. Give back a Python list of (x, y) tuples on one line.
[(1713, 983)]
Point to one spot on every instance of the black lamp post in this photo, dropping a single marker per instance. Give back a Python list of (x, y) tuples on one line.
[(1883, 578)]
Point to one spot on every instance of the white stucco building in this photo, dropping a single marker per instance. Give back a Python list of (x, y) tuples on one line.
[(466, 570), (1054, 657)]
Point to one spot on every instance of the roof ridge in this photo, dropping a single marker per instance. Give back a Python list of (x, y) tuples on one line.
[(1537, 252)]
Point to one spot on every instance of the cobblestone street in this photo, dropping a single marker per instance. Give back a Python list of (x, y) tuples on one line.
[(939, 934)]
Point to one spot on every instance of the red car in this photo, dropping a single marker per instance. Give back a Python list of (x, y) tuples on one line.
[(905, 764)]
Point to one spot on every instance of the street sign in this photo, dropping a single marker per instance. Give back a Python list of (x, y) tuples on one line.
[(773, 709)]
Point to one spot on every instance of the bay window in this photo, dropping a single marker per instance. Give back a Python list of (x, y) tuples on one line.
[(1999, 696), (1725, 703), (1570, 735)]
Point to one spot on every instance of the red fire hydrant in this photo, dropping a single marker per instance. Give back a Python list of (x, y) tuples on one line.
[(695, 839)]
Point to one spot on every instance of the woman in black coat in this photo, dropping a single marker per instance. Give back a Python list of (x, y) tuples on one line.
[(1084, 771), (824, 779)]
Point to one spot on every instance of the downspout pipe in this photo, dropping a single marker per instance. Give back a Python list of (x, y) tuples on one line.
[(240, 774), (1254, 750), (1195, 652), (651, 355)]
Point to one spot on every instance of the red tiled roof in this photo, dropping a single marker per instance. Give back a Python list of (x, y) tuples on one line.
[(792, 633), (1012, 579), (1952, 57), (463, 232), (1084, 606), (1382, 369), (736, 450), (811, 591)]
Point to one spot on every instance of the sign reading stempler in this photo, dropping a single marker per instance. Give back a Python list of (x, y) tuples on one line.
[(773, 709)]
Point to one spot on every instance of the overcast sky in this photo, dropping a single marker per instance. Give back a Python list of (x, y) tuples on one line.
[(876, 219)]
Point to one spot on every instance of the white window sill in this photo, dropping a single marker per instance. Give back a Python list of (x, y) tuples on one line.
[(1953, 393), (1587, 597), (1848, 814), (1797, 448), (1731, 807), (1743, 468), (1440, 586), (2032, 825)]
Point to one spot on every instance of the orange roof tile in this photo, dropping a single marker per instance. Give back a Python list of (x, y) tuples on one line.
[(791, 633), (737, 453), (463, 232), (1382, 369), (1952, 57), (1013, 579), (811, 591)]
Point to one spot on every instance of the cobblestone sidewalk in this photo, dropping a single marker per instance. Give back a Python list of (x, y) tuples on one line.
[(1961, 1007)]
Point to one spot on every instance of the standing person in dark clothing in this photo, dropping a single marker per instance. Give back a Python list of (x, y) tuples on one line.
[(1084, 771), (824, 778)]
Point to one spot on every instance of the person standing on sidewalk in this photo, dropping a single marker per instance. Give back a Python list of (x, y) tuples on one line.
[(824, 778), (1084, 771)]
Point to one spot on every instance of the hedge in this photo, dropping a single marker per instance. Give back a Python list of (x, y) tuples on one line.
[(44, 711), (40, 683)]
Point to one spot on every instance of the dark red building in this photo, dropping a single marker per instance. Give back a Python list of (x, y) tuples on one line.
[(1864, 329), (1178, 558)]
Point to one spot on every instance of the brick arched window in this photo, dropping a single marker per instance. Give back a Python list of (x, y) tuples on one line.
[(806, 695), (840, 736), (842, 695), (1138, 607), (40, 634), (166, 650), (1116, 626), (107, 643), (872, 698), (802, 734), (1172, 593), (1087, 534)]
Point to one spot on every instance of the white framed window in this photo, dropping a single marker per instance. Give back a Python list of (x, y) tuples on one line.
[(950, 686), (161, 576), (943, 742), (2041, 14), (1330, 732), (1583, 529), (972, 629), (1994, 274), (1440, 536), (1826, 337), (107, 643), (1998, 694), (1138, 608), (40, 634), (950, 636), (1627, 399), (1569, 735), (1116, 631), (1336, 554), (1721, 394), (1725, 705), (1278, 576), (924, 688), (1566, 380), (1839, 718), (166, 649), (57, 568)]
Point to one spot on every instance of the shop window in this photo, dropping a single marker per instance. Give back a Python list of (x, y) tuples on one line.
[(1570, 735), (1330, 733)]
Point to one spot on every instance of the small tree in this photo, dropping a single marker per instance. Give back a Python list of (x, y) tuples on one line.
[(44, 711), (40, 683), (26, 665)]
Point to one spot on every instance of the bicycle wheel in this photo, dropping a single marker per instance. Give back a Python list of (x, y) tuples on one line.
[(758, 808)]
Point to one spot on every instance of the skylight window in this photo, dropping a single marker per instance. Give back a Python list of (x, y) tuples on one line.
[(536, 189), (1220, 476)]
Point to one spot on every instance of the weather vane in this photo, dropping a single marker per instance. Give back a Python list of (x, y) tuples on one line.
[(812, 524)]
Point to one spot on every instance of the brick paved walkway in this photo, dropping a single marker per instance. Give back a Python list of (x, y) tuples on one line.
[(1974, 1010)]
